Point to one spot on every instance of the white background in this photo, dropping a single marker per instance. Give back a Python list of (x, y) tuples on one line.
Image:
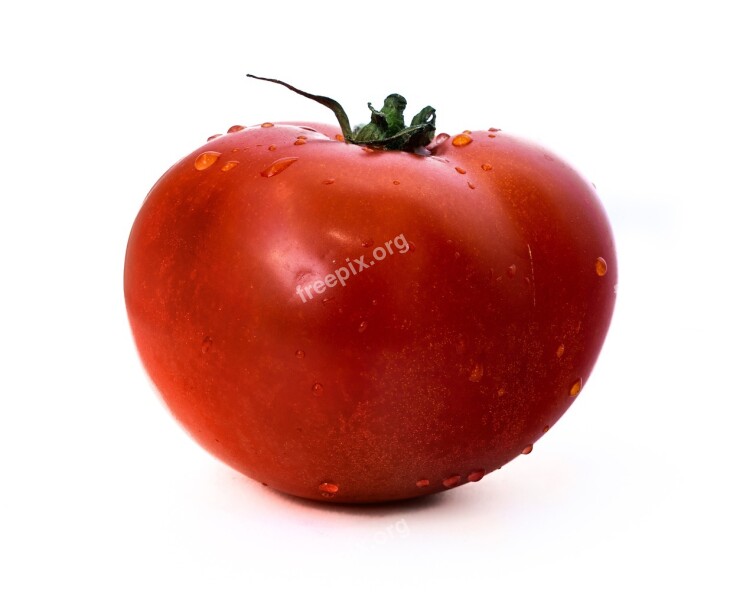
[(644, 489)]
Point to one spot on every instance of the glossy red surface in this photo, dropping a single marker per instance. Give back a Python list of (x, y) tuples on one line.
[(288, 355)]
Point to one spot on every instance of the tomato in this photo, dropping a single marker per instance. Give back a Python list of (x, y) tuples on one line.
[(354, 324)]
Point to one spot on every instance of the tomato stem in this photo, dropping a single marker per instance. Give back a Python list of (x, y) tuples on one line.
[(386, 128)]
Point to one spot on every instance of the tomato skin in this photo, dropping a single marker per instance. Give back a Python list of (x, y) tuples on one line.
[(429, 368)]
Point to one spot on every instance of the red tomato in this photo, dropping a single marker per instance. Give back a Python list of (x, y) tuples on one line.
[(357, 325)]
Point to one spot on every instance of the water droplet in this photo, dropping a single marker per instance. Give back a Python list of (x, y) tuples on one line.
[(212, 137), (467, 131), (500, 392), (299, 142), (267, 124), (441, 138), (601, 267), (280, 165), (527, 449), (576, 387), (546, 429), (460, 170), (229, 165), (374, 302), (471, 185), (362, 327), (452, 481), (421, 483), (512, 270), (301, 137), (396, 182), (205, 160), (560, 351), (235, 128), (492, 135), (486, 167), (207, 344), (476, 475), (339, 137), (477, 373), (367, 149), (462, 139), (272, 147), (299, 354), (493, 129), (328, 181), (328, 488), (317, 389)]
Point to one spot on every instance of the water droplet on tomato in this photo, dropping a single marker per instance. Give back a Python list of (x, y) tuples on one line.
[(560, 351), (493, 129), (527, 449), (477, 373), (339, 137), (460, 170), (486, 167), (299, 354), (396, 182), (462, 139), (576, 387), (601, 266), (421, 483), (207, 344), (492, 135), (476, 475), (229, 165), (362, 327), (546, 429), (206, 160), (471, 185), (272, 147), (328, 489), (452, 481), (500, 392), (212, 137), (317, 389), (328, 181), (280, 165), (441, 138), (299, 142), (235, 128), (267, 124)]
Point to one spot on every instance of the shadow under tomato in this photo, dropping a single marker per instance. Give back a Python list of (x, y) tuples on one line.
[(373, 509)]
